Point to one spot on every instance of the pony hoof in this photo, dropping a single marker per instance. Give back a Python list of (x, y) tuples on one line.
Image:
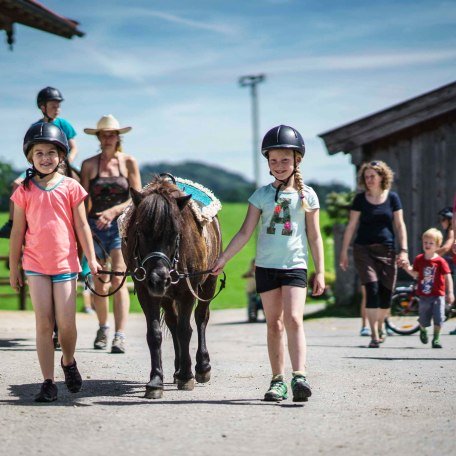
[(203, 377), (153, 393), (187, 385)]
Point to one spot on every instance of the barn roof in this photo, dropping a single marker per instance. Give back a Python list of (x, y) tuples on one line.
[(391, 120), (36, 15)]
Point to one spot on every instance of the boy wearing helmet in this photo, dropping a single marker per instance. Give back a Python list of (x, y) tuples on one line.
[(288, 212), (49, 213), (48, 101)]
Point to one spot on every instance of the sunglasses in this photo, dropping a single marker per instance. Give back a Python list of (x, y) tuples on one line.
[(374, 163)]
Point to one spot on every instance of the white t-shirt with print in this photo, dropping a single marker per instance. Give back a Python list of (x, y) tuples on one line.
[(282, 240)]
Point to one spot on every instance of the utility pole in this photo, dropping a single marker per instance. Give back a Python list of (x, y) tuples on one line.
[(252, 81)]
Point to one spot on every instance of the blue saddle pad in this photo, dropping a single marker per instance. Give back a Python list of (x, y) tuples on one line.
[(197, 192)]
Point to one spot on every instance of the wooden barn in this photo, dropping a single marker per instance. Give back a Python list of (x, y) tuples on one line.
[(417, 138)]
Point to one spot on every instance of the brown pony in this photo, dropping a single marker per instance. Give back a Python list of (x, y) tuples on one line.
[(164, 238)]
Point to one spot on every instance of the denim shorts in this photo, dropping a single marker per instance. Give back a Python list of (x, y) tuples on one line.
[(108, 238), (268, 279), (56, 277)]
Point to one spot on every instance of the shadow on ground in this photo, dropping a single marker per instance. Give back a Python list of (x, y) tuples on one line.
[(17, 344), (118, 393)]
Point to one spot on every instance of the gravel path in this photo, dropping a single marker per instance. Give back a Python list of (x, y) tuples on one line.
[(399, 399)]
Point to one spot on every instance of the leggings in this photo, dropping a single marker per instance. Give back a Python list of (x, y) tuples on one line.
[(377, 295)]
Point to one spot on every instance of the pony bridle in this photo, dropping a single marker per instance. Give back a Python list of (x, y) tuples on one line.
[(140, 272)]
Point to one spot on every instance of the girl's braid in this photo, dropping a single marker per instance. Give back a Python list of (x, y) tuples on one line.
[(300, 185)]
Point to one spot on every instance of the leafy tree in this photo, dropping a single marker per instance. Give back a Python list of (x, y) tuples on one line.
[(338, 206), (7, 175)]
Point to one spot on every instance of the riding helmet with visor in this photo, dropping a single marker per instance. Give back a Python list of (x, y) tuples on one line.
[(48, 94), (45, 132), (446, 213), (283, 137)]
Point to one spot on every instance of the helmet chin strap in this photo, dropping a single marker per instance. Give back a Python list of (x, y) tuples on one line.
[(46, 115), (34, 172), (284, 182)]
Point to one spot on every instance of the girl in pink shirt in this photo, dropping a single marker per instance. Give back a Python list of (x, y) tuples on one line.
[(48, 215)]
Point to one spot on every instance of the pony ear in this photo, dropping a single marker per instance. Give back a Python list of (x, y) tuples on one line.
[(136, 196), (182, 201)]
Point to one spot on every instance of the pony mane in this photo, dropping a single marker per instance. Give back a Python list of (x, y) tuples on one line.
[(158, 212)]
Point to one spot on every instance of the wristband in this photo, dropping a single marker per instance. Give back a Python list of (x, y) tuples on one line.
[(403, 250)]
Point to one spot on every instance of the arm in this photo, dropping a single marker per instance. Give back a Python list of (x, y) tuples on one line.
[(73, 150), (239, 240), (316, 247), (134, 180), (446, 247), (348, 235), (85, 237), (16, 242), (410, 271), (449, 289), (401, 232)]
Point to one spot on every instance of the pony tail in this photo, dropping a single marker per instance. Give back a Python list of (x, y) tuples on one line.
[(300, 185)]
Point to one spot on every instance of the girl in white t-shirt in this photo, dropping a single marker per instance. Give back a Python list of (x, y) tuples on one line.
[(289, 214), (48, 214)]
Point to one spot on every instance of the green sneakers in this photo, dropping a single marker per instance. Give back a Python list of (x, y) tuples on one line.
[(277, 391), (301, 388), (436, 343), (424, 336)]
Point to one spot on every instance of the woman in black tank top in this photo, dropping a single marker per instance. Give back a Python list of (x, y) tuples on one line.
[(107, 177)]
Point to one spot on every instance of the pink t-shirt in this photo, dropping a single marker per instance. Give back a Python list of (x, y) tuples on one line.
[(50, 239)]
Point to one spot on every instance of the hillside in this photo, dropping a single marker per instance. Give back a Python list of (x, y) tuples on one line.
[(227, 186)]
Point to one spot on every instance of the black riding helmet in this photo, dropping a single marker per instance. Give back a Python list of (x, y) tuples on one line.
[(283, 137), (48, 94), (446, 212), (45, 132)]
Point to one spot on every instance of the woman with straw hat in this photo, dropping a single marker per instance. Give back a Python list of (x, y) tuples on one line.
[(107, 177)]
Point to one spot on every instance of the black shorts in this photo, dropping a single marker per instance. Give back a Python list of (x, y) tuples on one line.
[(268, 279)]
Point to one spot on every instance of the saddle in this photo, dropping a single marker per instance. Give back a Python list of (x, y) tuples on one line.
[(204, 204)]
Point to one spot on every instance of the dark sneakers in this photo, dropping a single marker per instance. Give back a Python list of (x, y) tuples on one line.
[(48, 392), (424, 336), (436, 343), (73, 379), (301, 388)]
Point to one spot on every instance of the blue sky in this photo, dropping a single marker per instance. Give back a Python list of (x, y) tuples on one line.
[(170, 70)]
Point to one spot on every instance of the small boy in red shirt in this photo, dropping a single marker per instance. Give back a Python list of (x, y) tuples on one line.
[(434, 279)]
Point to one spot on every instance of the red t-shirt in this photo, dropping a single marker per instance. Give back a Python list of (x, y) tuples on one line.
[(431, 275), (50, 240)]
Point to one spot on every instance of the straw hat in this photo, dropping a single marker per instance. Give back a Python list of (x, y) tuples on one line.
[(107, 123)]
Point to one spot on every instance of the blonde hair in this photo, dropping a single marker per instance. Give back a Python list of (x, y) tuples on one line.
[(382, 169), (435, 234), (300, 186)]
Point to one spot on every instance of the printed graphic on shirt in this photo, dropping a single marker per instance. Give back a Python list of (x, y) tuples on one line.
[(427, 282), (281, 215)]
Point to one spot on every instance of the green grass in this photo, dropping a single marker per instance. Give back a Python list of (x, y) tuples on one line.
[(231, 218)]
